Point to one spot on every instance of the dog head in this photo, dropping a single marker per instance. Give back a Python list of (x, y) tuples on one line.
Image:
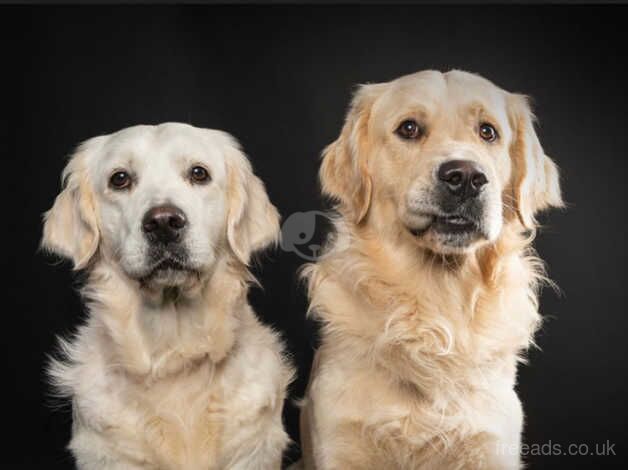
[(444, 159), (162, 203)]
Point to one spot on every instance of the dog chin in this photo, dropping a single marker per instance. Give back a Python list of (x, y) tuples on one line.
[(452, 243), (449, 236), (168, 277)]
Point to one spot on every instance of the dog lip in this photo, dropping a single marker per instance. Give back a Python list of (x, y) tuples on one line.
[(417, 232), (447, 223), (455, 219), (170, 263), (454, 223), (165, 264)]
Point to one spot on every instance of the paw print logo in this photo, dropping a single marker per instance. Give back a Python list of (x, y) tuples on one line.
[(298, 234)]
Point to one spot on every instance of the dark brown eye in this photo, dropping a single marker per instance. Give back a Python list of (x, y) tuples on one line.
[(120, 180), (199, 175), (409, 130), (488, 132)]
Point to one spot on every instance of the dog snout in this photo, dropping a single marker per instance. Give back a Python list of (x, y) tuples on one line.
[(462, 178), (164, 224)]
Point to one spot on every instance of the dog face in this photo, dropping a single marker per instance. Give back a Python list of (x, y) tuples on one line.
[(446, 159), (160, 202)]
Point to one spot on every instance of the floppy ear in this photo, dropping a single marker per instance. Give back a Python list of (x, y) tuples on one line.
[(344, 171), (70, 226), (535, 179), (252, 221)]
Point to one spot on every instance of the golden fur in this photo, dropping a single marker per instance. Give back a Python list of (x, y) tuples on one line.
[(165, 377), (420, 345)]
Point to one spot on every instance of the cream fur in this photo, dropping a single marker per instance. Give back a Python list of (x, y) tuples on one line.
[(162, 378), (420, 345)]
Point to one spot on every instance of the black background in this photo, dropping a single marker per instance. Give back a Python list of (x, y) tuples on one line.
[(280, 78)]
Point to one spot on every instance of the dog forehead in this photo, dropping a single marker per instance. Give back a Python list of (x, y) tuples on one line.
[(143, 145), (422, 88), (444, 92), (468, 89)]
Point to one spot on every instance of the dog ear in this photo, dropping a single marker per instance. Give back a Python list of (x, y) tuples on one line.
[(70, 226), (344, 171), (252, 220), (535, 178)]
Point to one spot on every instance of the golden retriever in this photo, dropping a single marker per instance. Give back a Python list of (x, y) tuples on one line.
[(427, 294), (172, 370)]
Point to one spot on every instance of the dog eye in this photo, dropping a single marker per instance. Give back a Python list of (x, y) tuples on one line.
[(120, 180), (409, 130), (199, 175), (488, 132)]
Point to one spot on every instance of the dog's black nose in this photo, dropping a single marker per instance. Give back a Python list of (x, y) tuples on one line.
[(462, 178), (164, 224)]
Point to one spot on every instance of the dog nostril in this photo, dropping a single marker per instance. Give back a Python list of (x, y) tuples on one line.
[(149, 225), (177, 221), (454, 178), (479, 180)]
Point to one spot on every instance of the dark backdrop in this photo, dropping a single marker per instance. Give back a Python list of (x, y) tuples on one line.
[(279, 78)]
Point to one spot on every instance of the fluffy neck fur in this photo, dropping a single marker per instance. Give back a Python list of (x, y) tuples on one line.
[(155, 334), (451, 324)]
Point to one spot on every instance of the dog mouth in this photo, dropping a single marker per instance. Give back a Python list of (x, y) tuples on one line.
[(450, 224), (453, 224), (167, 266), (170, 264)]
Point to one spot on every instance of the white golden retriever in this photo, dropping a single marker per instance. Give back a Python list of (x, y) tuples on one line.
[(172, 370), (428, 293)]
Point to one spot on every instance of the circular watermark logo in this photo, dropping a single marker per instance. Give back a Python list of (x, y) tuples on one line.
[(301, 233)]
